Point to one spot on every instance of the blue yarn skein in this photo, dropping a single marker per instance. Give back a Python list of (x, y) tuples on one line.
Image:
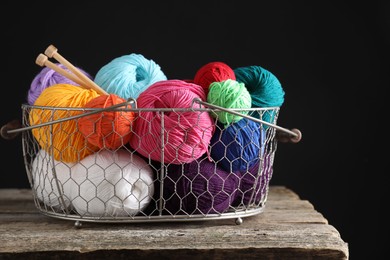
[(129, 75), (263, 86), (237, 147)]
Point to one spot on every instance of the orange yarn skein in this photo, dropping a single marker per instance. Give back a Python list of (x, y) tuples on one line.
[(108, 129)]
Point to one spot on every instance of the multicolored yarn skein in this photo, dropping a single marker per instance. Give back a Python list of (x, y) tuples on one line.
[(129, 75), (48, 77)]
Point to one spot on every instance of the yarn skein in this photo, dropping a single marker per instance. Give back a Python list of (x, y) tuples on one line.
[(236, 147), (254, 183), (112, 183), (109, 129), (229, 94), (48, 77), (186, 134), (215, 71), (264, 87), (199, 187), (64, 139), (129, 75), (45, 181)]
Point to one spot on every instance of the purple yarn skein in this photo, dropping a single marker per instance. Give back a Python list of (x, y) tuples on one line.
[(254, 183), (199, 187), (48, 77)]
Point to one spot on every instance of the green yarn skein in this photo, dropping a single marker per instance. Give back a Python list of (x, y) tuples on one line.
[(229, 94)]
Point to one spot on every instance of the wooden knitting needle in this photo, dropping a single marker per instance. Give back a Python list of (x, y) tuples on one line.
[(52, 52), (43, 60)]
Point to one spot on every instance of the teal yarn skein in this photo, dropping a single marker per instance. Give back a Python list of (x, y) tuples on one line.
[(264, 88), (229, 94), (129, 75)]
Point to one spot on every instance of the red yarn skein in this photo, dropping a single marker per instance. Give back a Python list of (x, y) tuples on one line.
[(108, 129), (215, 71)]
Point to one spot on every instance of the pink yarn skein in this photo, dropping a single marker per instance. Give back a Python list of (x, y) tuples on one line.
[(186, 134)]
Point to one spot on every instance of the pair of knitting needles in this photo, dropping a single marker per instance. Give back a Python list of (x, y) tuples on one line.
[(77, 76)]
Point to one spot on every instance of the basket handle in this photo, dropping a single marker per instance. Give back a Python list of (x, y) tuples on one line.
[(13, 128), (6, 130), (283, 135)]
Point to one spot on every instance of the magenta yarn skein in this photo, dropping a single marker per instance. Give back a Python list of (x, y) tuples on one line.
[(186, 134), (48, 77), (199, 187)]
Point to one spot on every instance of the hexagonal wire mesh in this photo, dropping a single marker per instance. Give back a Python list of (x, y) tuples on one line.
[(167, 171)]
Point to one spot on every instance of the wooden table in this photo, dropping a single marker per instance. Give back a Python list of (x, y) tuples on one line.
[(289, 228)]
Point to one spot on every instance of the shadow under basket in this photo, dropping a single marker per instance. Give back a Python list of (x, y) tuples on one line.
[(150, 176)]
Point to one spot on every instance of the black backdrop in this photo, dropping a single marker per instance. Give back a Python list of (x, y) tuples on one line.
[(332, 59)]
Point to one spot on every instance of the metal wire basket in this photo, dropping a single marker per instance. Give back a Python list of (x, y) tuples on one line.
[(180, 191)]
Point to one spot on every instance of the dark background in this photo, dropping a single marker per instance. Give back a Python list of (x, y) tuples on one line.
[(332, 59)]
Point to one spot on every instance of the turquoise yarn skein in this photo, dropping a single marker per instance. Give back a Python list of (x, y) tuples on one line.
[(263, 86), (129, 75)]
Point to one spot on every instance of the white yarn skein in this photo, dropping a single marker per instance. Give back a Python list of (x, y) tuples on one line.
[(45, 184), (112, 183)]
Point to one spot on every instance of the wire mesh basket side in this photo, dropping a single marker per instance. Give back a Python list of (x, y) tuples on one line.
[(169, 180)]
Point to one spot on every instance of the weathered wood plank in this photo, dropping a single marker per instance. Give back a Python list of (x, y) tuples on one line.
[(288, 228), (172, 237), (51, 237), (281, 193), (183, 253), (15, 194)]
